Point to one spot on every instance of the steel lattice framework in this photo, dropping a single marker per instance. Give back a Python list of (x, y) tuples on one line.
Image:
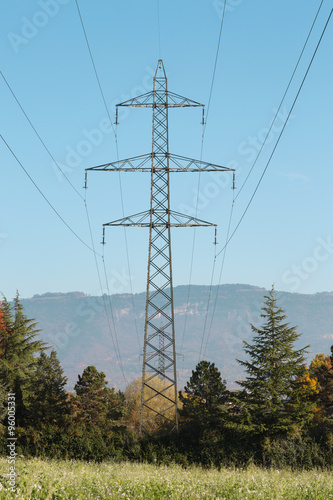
[(159, 380)]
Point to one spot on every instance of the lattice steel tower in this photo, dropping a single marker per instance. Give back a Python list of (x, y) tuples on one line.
[(159, 380)]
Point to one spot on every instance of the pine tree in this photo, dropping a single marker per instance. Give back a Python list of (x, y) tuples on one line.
[(205, 395), (48, 401), (273, 402)]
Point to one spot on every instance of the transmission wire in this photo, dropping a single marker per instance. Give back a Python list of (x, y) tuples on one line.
[(281, 103), (228, 239), (280, 135), (45, 198), (39, 137), (255, 161), (208, 302), (199, 178), (119, 175), (114, 338), (219, 281)]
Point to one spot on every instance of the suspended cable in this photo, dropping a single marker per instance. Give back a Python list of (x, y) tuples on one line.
[(214, 71), (113, 337), (113, 322), (199, 175), (117, 154), (95, 70), (281, 103), (208, 302), (39, 137), (255, 161), (219, 283), (51, 156), (280, 135), (45, 198)]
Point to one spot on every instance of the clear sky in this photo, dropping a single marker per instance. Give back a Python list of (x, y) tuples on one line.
[(286, 236)]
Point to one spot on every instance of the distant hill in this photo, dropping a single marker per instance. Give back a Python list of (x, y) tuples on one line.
[(76, 325)]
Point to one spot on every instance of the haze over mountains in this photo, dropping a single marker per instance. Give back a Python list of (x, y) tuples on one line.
[(77, 326)]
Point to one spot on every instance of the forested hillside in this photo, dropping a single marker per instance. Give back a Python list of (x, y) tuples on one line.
[(76, 325)]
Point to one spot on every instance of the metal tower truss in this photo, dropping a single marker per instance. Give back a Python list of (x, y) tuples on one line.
[(159, 380)]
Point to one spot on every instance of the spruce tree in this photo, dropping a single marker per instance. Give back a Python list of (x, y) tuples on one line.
[(273, 402)]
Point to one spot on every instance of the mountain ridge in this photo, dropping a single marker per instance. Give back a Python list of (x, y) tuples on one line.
[(76, 325)]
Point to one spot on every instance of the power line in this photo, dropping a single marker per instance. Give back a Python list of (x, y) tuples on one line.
[(280, 135), (219, 282), (204, 123), (255, 161), (215, 66), (114, 338), (208, 302), (282, 101), (56, 212), (45, 198), (117, 153), (95, 70), (39, 137)]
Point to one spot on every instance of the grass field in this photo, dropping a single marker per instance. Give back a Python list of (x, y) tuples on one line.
[(53, 480)]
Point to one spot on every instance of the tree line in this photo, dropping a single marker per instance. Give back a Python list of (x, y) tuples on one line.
[(281, 414)]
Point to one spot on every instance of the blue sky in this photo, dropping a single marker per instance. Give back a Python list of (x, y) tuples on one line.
[(286, 237)]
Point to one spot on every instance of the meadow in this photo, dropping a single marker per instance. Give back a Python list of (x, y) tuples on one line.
[(55, 480)]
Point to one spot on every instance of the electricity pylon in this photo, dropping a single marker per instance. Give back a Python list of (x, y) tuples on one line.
[(159, 356)]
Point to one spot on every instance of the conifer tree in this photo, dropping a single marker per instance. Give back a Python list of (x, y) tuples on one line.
[(18, 343), (95, 403), (18, 349), (273, 402), (205, 395), (48, 401)]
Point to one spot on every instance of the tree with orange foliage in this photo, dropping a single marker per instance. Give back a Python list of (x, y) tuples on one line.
[(321, 369)]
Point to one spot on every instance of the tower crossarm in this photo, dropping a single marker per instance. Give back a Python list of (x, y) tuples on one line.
[(136, 164), (160, 99), (143, 219), (184, 164), (177, 163)]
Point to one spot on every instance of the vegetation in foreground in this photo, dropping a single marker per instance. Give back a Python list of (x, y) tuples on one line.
[(282, 415), (53, 480)]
